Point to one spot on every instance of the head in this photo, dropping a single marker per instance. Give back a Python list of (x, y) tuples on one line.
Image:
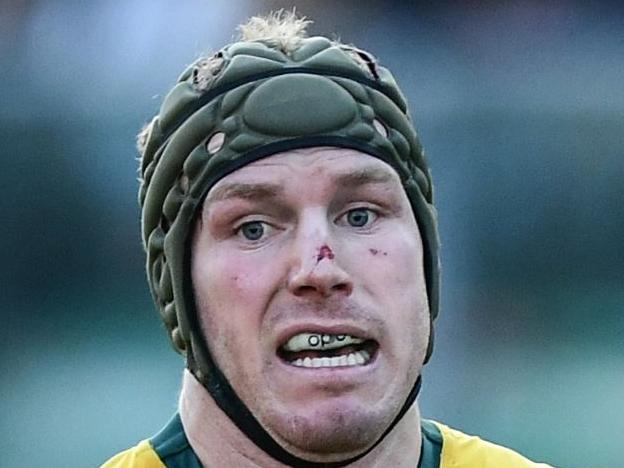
[(291, 238)]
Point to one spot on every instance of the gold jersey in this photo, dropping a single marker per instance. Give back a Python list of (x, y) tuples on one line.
[(442, 447)]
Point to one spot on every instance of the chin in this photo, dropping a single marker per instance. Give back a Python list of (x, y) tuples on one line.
[(333, 428)]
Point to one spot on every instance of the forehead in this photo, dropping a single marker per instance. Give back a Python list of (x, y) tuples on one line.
[(324, 166)]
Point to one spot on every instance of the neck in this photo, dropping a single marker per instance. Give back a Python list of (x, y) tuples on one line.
[(217, 441)]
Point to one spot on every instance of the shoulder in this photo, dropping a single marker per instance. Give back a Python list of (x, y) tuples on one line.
[(169, 448), (141, 455), (460, 450)]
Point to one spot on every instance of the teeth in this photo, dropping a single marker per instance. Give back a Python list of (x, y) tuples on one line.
[(316, 341), (358, 358), (351, 361)]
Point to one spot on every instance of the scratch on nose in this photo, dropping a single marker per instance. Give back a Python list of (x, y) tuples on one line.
[(324, 252)]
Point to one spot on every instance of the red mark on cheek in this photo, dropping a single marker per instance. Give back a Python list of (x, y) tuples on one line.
[(324, 252)]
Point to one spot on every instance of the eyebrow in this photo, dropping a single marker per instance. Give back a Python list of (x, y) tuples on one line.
[(367, 175), (245, 191)]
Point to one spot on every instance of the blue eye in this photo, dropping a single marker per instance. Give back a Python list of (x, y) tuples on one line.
[(252, 230), (359, 217)]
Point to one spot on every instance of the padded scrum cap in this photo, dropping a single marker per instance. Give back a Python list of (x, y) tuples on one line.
[(264, 101)]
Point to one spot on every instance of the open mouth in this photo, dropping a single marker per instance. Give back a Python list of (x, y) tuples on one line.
[(314, 350)]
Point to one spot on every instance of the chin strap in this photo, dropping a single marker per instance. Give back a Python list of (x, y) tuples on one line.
[(229, 402)]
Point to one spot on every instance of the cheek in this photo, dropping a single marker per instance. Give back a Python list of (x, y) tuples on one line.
[(394, 267), (231, 286), (396, 261), (229, 309)]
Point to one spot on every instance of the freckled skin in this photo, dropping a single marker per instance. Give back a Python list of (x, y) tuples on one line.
[(251, 292)]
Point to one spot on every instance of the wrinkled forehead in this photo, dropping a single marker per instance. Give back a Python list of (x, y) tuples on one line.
[(324, 167)]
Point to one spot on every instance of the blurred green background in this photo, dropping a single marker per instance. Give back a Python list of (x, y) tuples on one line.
[(520, 106)]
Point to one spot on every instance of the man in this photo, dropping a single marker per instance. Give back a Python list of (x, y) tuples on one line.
[(292, 252)]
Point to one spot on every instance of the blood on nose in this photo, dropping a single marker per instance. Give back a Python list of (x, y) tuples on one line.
[(324, 252)]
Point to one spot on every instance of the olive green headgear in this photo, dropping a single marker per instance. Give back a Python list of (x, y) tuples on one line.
[(265, 101)]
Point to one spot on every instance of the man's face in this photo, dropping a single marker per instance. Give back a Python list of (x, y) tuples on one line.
[(307, 271)]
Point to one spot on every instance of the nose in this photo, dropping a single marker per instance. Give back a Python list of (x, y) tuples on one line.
[(317, 271), (322, 279)]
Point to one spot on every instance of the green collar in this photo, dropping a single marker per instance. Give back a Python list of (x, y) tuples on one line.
[(431, 445), (174, 450), (172, 446)]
